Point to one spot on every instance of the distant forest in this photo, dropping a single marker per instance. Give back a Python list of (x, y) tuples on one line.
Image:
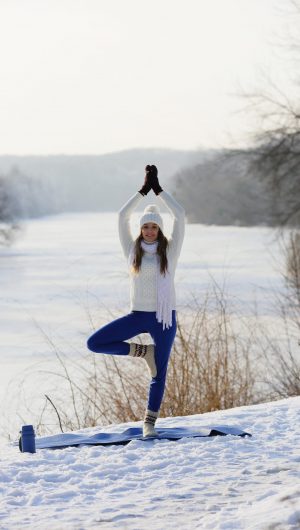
[(33, 186), (215, 187), (222, 190)]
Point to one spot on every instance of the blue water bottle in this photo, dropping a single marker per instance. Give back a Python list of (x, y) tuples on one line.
[(27, 441)]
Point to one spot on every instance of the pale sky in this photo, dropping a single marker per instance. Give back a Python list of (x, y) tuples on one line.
[(95, 76)]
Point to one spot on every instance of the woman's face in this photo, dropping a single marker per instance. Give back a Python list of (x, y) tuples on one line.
[(150, 232)]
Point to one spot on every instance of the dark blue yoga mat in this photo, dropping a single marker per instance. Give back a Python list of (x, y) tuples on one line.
[(58, 441)]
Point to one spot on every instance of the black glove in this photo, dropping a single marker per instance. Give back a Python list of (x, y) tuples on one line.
[(153, 179), (146, 186)]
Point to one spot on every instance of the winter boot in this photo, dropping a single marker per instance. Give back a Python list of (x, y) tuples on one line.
[(145, 352), (149, 422)]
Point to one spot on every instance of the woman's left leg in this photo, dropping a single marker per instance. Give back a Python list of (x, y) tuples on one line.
[(111, 337), (163, 340)]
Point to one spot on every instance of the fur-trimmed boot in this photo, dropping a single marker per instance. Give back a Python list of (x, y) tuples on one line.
[(149, 422), (144, 352)]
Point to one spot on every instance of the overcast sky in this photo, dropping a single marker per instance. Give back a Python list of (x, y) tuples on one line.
[(94, 76)]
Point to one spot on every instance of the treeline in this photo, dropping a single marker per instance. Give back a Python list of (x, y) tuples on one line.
[(22, 197), (222, 190), (216, 187), (40, 185)]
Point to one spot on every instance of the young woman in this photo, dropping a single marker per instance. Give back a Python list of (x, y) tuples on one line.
[(152, 261)]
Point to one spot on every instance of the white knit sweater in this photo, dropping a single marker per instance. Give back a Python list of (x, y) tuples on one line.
[(143, 287)]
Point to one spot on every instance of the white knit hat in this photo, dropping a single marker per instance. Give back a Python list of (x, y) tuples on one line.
[(151, 215)]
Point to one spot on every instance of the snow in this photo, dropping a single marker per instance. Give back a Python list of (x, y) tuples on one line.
[(216, 483), (68, 265), (58, 280)]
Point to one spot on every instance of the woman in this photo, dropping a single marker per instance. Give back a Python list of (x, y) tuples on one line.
[(152, 261)]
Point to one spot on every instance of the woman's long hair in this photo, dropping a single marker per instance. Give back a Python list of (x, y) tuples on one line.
[(161, 251)]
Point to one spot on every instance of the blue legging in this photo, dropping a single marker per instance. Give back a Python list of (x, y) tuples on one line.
[(110, 339)]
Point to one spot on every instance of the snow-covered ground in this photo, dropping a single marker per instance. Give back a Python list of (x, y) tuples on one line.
[(59, 281), (217, 483), (67, 265), (67, 274), (66, 268)]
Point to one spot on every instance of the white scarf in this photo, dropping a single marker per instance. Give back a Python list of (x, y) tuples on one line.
[(164, 284)]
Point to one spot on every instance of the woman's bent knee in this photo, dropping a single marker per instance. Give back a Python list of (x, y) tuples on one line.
[(91, 343)]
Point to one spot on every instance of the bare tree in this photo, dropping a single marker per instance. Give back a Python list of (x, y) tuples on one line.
[(275, 156), (8, 227)]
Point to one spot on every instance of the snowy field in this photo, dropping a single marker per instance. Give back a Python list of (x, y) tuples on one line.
[(59, 280), (66, 276), (221, 483), (64, 269)]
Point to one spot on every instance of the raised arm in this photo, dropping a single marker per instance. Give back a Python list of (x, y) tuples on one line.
[(178, 214), (176, 210), (126, 238)]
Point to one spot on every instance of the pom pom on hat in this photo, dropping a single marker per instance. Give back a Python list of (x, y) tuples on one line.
[(151, 215), (152, 208)]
